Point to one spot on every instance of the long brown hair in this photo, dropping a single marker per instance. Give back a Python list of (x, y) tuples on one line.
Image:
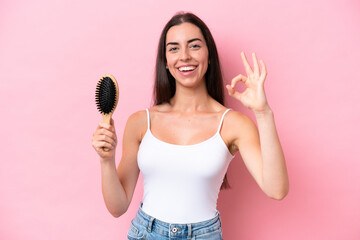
[(164, 87)]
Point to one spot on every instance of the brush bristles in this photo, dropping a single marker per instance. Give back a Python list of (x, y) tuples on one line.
[(105, 95)]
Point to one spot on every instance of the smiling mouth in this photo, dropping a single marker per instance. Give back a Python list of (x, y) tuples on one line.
[(187, 69)]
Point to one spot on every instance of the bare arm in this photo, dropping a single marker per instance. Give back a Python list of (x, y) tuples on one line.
[(118, 185), (259, 147), (113, 191), (261, 152), (275, 182)]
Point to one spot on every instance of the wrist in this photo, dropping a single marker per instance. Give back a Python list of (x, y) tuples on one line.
[(107, 161), (264, 111)]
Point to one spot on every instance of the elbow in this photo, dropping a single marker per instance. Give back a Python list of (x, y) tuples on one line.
[(116, 213), (277, 191), (280, 195)]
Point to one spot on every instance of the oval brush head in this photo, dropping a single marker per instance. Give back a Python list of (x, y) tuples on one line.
[(106, 94), (106, 97)]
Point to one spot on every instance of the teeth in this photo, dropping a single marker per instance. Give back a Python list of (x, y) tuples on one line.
[(185, 69)]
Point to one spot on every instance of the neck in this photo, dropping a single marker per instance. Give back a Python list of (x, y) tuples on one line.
[(190, 99)]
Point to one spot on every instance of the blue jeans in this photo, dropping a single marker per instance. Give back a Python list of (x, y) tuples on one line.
[(144, 226)]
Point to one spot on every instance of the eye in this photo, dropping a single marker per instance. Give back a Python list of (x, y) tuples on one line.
[(173, 49), (195, 46)]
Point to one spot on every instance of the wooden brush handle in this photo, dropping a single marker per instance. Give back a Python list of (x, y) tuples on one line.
[(106, 119)]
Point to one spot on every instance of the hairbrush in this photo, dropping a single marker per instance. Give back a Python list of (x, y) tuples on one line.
[(106, 97)]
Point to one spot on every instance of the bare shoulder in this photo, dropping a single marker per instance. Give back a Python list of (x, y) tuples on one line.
[(137, 124), (238, 118), (137, 117), (236, 128)]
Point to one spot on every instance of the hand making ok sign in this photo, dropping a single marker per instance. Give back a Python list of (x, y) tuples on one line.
[(254, 96)]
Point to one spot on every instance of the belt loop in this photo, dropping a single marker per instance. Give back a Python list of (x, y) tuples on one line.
[(149, 228), (189, 231)]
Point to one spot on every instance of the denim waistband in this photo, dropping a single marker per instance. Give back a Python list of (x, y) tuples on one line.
[(176, 229)]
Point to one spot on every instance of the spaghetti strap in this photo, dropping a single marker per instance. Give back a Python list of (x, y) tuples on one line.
[(222, 119), (148, 118)]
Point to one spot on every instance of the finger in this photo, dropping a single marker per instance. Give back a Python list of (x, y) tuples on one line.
[(102, 145), (256, 65), (101, 132), (238, 78), (99, 145), (104, 138), (246, 64), (105, 132), (230, 89), (107, 126), (263, 71), (234, 93)]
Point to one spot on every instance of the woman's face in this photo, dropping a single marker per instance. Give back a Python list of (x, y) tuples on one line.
[(186, 54)]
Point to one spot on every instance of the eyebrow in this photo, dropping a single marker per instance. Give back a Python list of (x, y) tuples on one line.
[(190, 41)]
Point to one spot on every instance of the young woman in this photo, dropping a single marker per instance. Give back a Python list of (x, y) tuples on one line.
[(184, 143)]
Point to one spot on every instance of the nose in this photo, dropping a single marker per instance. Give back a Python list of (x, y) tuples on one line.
[(185, 55)]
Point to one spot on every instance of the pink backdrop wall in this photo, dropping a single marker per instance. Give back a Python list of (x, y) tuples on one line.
[(52, 54)]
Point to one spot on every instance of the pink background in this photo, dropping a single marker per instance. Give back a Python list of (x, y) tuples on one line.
[(52, 54)]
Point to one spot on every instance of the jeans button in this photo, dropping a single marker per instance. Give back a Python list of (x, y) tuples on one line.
[(174, 229)]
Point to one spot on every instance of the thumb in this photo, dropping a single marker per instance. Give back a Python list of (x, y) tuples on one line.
[(231, 90), (112, 122)]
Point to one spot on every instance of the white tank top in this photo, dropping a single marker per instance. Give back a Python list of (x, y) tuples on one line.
[(182, 182)]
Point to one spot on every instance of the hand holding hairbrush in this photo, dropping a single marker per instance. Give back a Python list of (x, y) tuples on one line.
[(106, 97)]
